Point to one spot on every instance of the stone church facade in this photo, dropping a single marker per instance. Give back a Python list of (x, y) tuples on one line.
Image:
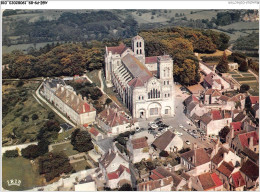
[(145, 84)]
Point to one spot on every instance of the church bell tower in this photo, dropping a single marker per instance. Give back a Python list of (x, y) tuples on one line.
[(138, 48)]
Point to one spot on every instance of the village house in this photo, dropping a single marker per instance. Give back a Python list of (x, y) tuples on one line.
[(255, 110), (248, 139), (76, 108), (250, 173), (196, 161), (114, 121), (207, 182), (249, 154), (235, 128), (95, 134), (164, 172), (237, 182), (252, 100), (211, 96), (138, 149), (214, 81), (168, 141), (145, 84), (224, 172), (214, 121), (86, 184), (164, 184), (115, 169)]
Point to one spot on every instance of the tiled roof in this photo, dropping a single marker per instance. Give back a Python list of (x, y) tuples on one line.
[(206, 119), (216, 180), (139, 143), (219, 156), (195, 117), (223, 98), (244, 138), (237, 179), (94, 131), (209, 78), (237, 97), (191, 106), (154, 184), (254, 99), (200, 155), (251, 154), (239, 117), (116, 174), (206, 181), (136, 82), (73, 101), (109, 157), (216, 115), (151, 60), (185, 176), (250, 169), (113, 116), (236, 126), (162, 172), (209, 91), (225, 168), (136, 68), (118, 49), (53, 83), (163, 140), (190, 99)]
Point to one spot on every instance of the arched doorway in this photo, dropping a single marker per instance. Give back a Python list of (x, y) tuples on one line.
[(141, 113), (154, 109)]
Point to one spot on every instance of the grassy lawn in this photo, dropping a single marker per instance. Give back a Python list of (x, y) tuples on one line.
[(67, 148), (22, 103), (20, 168), (245, 78), (81, 165), (93, 75)]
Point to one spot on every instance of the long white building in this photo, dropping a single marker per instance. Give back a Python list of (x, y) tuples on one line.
[(145, 84)]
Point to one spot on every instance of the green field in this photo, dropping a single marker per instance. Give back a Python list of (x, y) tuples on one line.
[(22, 169), (19, 102), (81, 165), (245, 78), (67, 148)]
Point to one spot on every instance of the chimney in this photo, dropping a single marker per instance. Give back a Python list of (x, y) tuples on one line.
[(106, 106), (239, 182), (162, 183), (250, 143), (109, 151)]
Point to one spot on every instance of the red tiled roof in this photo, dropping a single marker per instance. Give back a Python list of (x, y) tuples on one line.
[(113, 116), (136, 82), (236, 126), (238, 180), (216, 115), (155, 184), (85, 125), (245, 137), (116, 174), (206, 181), (216, 179), (150, 60), (196, 157), (94, 131), (254, 99), (139, 143), (118, 49), (225, 168)]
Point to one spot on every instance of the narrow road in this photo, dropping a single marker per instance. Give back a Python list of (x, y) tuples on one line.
[(37, 92), (101, 81)]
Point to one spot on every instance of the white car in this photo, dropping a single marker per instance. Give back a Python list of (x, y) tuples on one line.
[(154, 126), (181, 126), (187, 142)]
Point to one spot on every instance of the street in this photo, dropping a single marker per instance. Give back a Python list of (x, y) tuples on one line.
[(180, 119)]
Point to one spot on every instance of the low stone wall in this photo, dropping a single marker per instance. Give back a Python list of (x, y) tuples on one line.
[(19, 147)]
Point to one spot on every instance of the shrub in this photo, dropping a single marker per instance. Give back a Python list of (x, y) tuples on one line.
[(108, 101), (25, 118), (11, 153), (30, 152), (81, 140), (164, 154), (20, 84), (34, 117), (51, 115)]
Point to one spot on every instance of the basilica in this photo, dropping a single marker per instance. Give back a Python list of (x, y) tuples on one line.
[(145, 84)]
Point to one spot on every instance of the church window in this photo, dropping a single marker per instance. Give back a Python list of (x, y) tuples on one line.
[(167, 82), (136, 44), (154, 111), (166, 111), (164, 82), (148, 95), (164, 73), (165, 95), (153, 93), (140, 51), (140, 44), (168, 94), (168, 72), (137, 51), (159, 94), (139, 98), (156, 93)]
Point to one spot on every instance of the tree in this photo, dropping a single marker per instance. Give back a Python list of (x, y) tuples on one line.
[(81, 140), (164, 154), (53, 165), (222, 66), (25, 118), (11, 153), (125, 187), (244, 88), (243, 66), (30, 152), (34, 117), (223, 133)]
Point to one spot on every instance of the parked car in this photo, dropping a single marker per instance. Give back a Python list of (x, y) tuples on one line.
[(160, 129), (154, 126), (187, 142), (158, 119), (180, 125)]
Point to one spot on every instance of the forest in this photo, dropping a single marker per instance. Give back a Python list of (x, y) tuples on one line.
[(70, 59)]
